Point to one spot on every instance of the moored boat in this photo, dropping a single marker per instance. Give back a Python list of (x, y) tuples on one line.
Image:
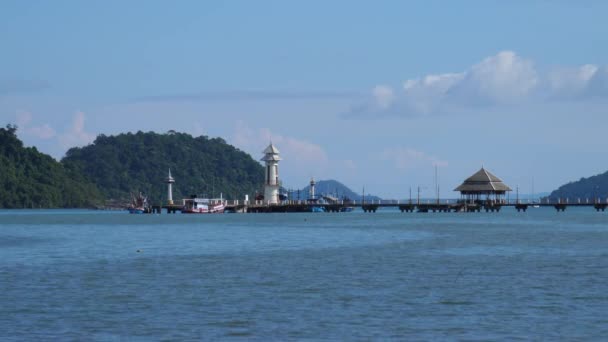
[(317, 209), (197, 205), (139, 204)]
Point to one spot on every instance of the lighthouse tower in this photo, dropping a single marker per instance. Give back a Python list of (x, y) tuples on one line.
[(311, 190), (271, 183), (169, 180)]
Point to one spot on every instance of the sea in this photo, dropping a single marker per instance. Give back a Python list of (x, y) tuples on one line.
[(77, 275)]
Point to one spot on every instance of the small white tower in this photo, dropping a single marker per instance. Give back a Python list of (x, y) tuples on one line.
[(170, 180), (311, 190), (271, 184)]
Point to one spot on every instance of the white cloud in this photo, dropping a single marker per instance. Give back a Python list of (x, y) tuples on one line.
[(408, 158), (598, 84), (76, 134), (499, 80), (299, 151), (24, 119), (42, 132), (384, 95), (302, 150), (568, 82)]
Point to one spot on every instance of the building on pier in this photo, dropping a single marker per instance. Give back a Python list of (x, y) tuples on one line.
[(271, 184), (483, 186), (311, 190), (169, 181)]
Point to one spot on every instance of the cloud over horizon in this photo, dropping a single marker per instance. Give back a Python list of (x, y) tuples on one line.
[(500, 80), (300, 151), (44, 131), (76, 135)]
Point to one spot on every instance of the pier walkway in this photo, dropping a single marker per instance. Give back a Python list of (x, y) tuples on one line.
[(408, 206), (404, 206)]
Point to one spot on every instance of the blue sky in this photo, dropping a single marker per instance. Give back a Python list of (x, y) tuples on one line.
[(371, 93)]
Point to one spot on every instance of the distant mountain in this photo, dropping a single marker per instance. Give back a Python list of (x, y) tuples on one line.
[(140, 162), (335, 189), (585, 188), (535, 196), (30, 179)]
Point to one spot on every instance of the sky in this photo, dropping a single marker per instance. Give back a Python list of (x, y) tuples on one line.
[(375, 94)]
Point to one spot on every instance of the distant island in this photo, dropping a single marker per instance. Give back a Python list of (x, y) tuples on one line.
[(585, 188), (336, 189), (105, 172), (140, 161)]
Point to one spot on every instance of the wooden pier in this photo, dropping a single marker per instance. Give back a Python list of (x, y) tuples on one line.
[(440, 206), (437, 206)]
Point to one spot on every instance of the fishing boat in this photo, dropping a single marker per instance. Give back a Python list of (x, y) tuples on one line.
[(195, 205), (139, 204)]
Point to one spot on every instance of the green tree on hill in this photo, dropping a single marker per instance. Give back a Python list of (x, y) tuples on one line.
[(140, 161), (30, 179)]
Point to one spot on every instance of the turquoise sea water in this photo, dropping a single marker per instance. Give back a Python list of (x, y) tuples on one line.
[(108, 276)]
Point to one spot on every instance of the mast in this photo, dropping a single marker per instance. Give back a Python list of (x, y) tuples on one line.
[(436, 184), (410, 195), (533, 195)]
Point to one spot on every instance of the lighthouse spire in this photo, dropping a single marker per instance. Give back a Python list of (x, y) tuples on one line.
[(271, 183), (169, 180)]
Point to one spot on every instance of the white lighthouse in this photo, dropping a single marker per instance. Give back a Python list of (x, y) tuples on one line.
[(311, 190), (271, 184), (169, 180)]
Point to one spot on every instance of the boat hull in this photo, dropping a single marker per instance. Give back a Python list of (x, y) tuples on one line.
[(210, 209), (136, 211)]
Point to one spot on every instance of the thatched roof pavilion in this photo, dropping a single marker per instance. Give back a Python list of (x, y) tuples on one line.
[(483, 182)]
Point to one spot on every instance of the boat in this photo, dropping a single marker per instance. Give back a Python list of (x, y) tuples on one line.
[(317, 209), (346, 209), (196, 205), (136, 210), (139, 204)]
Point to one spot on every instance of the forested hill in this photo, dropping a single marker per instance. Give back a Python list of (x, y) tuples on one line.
[(30, 179), (592, 187), (130, 162)]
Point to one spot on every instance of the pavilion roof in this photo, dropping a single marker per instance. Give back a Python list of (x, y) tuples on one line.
[(483, 181)]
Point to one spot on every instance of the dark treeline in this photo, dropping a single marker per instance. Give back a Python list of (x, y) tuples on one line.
[(140, 161), (112, 167), (30, 179), (585, 188)]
